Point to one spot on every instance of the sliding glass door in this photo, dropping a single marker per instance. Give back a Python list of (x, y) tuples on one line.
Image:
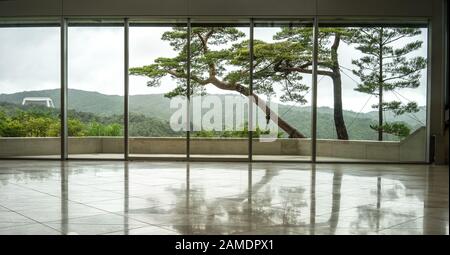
[(282, 83), (95, 89), (219, 75), (372, 91), (30, 89), (157, 101)]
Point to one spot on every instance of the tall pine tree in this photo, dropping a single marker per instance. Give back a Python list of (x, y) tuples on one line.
[(329, 40), (213, 50), (387, 66)]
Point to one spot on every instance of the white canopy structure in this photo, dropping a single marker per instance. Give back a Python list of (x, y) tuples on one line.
[(45, 101)]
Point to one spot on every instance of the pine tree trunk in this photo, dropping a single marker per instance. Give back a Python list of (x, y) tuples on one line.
[(339, 123), (290, 130), (336, 202), (380, 114)]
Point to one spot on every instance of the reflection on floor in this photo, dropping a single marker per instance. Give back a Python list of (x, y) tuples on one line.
[(116, 197)]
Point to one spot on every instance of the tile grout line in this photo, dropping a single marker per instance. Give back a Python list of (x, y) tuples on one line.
[(395, 225), (148, 225), (38, 222)]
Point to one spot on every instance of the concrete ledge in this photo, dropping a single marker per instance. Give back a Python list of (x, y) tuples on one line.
[(30, 146), (411, 149)]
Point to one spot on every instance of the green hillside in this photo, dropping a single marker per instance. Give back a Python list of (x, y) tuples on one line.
[(157, 108), (86, 101), (39, 121)]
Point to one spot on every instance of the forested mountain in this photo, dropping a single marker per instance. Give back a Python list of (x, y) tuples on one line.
[(154, 110)]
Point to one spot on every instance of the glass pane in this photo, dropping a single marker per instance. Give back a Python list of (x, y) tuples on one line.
[(96, 90), (157, 99), (359, 68), (282, 88), (30, 92), (220, 83)]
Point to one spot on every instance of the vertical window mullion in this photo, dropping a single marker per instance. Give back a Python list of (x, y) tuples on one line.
[(126, 88), (250, 96), (188, 90), (314, 91), (64, 130)]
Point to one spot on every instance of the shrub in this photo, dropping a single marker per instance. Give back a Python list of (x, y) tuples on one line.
[(13, 128), (76, 127), (38, 126), (96, 129), (2, 122)]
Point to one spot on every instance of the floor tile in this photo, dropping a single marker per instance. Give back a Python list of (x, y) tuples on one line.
[(114, 197), (31, 229)]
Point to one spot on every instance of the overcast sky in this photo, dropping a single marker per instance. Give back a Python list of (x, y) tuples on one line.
[(29, 60)]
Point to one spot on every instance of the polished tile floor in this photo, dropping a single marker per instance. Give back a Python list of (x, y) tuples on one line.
[(115, 198)]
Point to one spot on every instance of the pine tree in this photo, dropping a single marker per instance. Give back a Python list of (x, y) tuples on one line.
[(387, 66), (209, 67), (328, 63)]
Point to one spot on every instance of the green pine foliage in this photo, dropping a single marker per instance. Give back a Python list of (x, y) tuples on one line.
[(388, 65), (394, 128)]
